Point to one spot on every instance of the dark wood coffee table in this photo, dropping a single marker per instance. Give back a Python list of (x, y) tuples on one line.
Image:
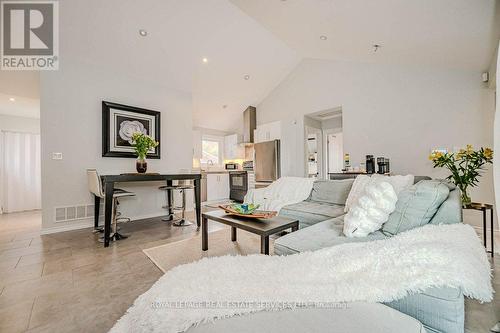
[(262, 227)]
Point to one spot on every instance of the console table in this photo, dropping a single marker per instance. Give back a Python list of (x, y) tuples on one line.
[(484, 207), (109, 185)]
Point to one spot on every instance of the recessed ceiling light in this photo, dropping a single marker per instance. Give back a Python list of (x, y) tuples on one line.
[(205, 60), (323, 37), (143, 32), (12, 99), (246, 77)]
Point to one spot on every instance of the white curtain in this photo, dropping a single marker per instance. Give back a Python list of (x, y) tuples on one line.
[(20, 172)]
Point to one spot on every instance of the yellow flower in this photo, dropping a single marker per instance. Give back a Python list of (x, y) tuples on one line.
[(469, 149), (488, 153), (435, 155)]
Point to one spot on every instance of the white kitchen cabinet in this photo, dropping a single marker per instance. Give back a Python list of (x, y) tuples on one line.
[(267, 132), (232, 149), (217, 186)]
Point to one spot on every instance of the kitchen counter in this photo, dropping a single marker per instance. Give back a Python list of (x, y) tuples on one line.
[(221, 171)]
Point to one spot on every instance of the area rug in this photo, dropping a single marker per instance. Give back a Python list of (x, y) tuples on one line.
[(188, 250)]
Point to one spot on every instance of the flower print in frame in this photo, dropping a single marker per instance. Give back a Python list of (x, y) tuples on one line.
[(120, 122)]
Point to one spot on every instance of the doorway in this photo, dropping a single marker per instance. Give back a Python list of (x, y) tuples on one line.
[(324, 143), (20, 171)]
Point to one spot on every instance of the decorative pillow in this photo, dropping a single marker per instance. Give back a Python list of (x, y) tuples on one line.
[(398, 182), (416, 206), (371, 210), (358, 188), (331, 191)]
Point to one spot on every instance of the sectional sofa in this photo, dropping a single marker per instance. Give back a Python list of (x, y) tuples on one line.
[(438, 310), (321, 221)]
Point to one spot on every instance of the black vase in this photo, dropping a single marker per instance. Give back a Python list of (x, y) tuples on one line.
[(141, 165)]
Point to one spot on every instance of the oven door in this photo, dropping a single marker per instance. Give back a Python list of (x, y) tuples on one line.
[(238, 181)]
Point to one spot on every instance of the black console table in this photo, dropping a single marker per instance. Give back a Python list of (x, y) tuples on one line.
[(109, 185), (484, 207)]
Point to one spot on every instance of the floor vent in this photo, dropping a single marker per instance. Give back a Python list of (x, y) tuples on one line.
[(72, 213)]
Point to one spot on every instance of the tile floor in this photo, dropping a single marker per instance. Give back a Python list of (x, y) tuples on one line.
[(67, 282)]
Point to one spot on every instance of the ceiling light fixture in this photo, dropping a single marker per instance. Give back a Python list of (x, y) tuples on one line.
[(323, 37), (205, 60), (246, 77), (143, 32), (376, 47), (12, 99)]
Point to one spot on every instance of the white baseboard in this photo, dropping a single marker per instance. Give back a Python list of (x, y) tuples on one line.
[(88, 223)]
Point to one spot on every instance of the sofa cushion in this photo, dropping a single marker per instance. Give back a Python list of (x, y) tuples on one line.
[(310, 212), (439, 309), (331, 191), (349, 317), (450, 210), (323, 234), (416, 206)]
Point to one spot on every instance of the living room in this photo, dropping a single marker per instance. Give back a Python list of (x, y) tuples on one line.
[(271, 103)]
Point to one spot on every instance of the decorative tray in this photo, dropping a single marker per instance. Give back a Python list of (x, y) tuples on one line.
[(256, 214)]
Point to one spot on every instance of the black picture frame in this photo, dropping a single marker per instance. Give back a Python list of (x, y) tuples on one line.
[(113, 117)]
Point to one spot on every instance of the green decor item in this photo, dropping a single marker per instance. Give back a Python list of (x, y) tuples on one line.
[(465, 167), (142, 143)]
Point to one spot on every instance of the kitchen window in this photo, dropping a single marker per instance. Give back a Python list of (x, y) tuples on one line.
[(211, 150)]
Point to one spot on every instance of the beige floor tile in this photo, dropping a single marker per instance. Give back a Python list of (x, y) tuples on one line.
[(15, 318)]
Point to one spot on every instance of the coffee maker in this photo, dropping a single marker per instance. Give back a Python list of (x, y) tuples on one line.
[(370, 164), (383, 165)]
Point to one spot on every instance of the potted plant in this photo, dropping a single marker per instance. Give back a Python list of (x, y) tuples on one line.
[(142, 143), (465, 167)]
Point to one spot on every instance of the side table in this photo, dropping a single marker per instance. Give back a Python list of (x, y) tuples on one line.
[(484, 207)]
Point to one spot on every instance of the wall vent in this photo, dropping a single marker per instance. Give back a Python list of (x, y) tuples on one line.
[(77, 212)]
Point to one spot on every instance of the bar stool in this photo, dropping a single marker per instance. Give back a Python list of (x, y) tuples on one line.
[(182, 186), (96, 188)]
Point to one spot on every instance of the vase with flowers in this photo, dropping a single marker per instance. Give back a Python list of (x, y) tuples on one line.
[(465, 167), (142, 143)]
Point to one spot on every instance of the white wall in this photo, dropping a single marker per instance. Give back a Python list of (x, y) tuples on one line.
[(19, 124), (71, 124), (399, 112)]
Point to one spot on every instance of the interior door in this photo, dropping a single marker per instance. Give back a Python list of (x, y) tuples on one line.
[(20, 171)]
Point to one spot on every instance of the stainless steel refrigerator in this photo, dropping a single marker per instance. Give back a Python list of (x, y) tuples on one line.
[(267, 161)]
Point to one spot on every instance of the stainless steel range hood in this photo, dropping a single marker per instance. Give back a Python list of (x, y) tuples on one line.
[(249, 125)]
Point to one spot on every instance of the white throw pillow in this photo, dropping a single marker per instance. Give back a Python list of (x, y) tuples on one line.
[(398, 182), (371, 210), (357, 190)]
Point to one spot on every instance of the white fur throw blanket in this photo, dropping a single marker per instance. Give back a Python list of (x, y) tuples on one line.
[(446, 255), (284, 191)]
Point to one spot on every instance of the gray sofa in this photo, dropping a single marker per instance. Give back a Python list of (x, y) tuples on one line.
[(321, 223)]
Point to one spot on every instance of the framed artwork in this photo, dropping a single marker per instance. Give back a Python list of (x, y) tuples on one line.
[(120, 122)]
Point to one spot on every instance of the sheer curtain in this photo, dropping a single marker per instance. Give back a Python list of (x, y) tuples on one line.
[(20, 172)]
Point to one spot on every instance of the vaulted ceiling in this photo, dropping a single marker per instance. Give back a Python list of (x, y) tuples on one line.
[(266, 39), (451, 33)]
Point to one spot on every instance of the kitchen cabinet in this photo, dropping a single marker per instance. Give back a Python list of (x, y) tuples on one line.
[(217, 186), (268, 132), (232, 149)]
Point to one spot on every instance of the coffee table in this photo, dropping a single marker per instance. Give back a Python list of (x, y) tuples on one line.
[(262, 227)]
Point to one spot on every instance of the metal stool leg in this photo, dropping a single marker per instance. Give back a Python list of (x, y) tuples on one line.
[(168, 199), (182, 222)]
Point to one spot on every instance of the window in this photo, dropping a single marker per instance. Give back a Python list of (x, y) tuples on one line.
[(211, 150)]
